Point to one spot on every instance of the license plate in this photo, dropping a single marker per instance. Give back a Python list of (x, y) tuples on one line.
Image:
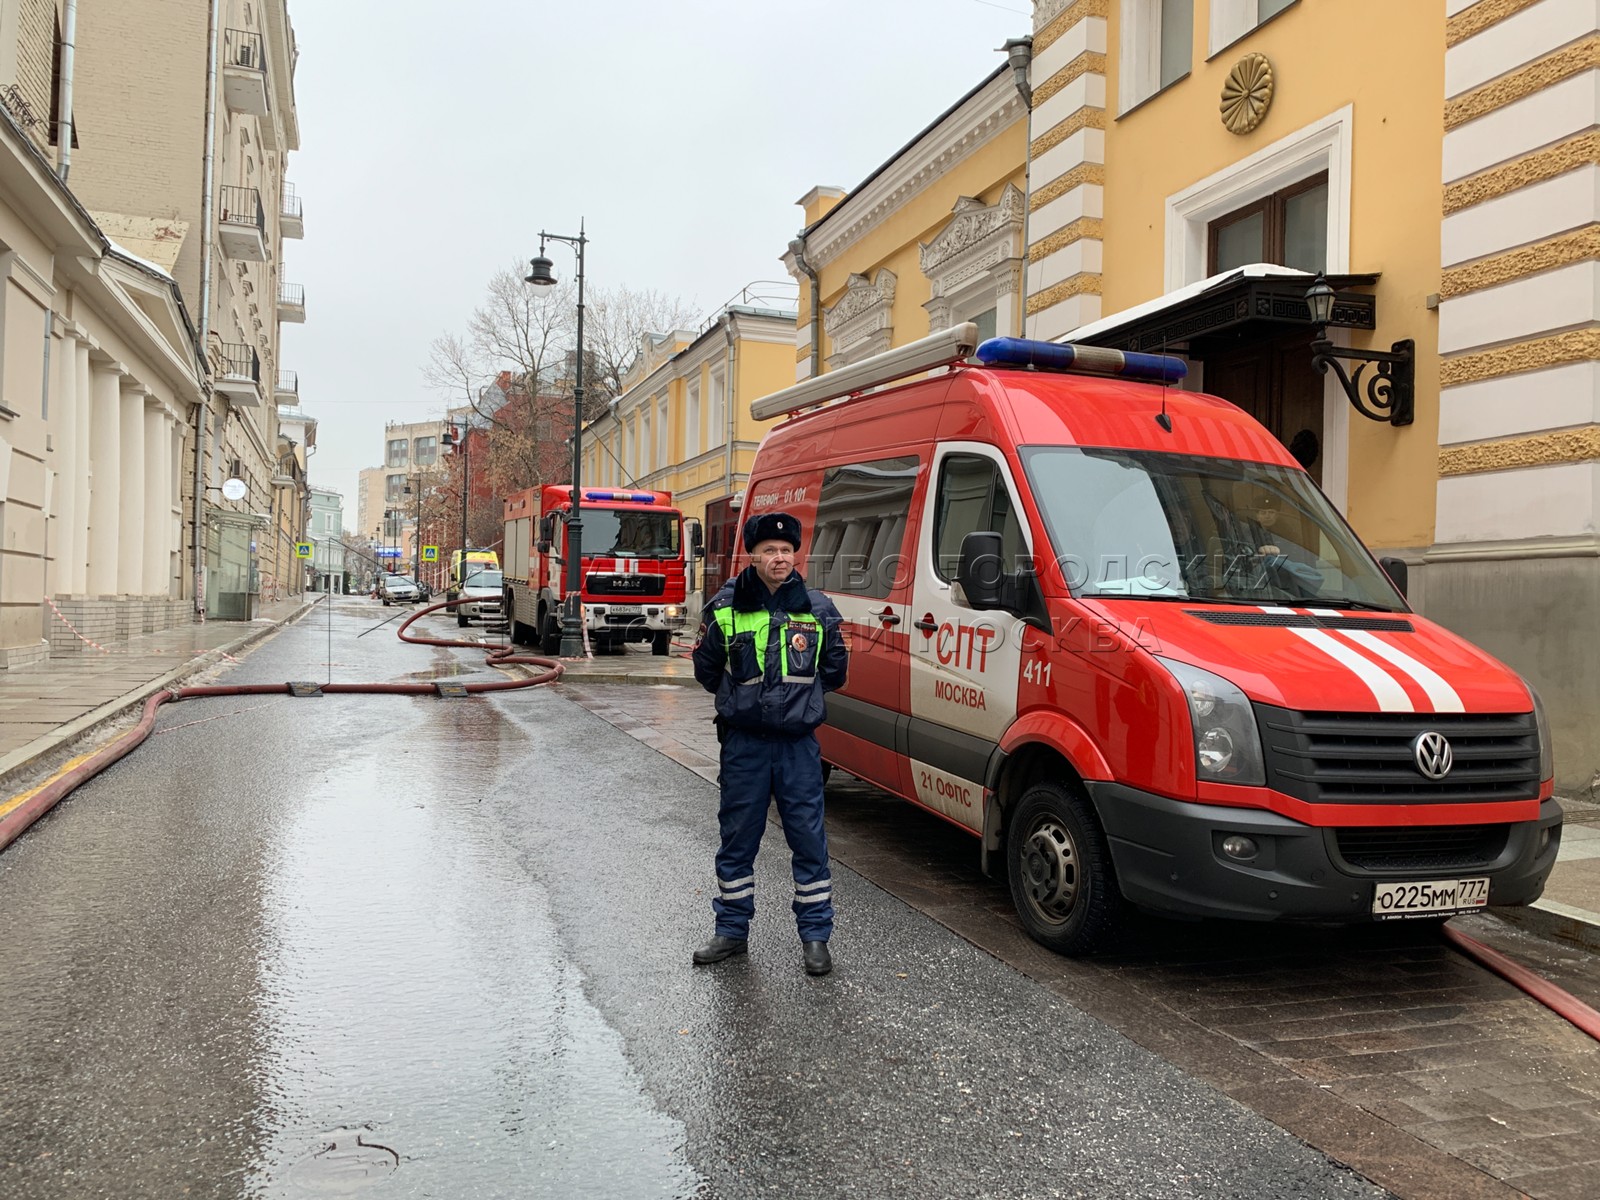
[(624, 610), (1397, 901)]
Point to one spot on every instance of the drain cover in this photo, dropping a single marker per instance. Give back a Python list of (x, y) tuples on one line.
[(347, 1161), (454, 691), (304, 688)]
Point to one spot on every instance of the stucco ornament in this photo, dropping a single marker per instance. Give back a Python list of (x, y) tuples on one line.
[(1247, 94)]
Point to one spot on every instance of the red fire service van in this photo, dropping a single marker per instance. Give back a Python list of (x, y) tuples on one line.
[(1112, 629), (632, 571)]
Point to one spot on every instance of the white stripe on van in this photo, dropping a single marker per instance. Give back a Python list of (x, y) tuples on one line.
[(1441, 695), (1385, 689)]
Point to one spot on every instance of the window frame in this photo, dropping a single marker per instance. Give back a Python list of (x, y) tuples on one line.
[(1274, 208)]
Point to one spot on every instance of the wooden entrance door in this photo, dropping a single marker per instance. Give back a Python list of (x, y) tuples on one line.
[(1272, 379)]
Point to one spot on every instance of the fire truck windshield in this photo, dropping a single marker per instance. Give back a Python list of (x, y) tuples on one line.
[(625, 533), (1179, 527)]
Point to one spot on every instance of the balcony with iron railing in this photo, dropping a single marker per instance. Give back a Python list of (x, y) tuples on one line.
[(244, 72), (288, 389), (292, 303), (240, 374), (291, 221), (242, 224)]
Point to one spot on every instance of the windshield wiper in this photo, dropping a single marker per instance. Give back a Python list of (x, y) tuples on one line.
[(1345, 602)]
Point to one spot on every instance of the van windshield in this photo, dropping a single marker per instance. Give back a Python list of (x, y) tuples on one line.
[(1179, 527)]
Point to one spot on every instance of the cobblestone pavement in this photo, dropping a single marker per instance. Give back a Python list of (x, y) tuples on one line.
[(1381, 1046)]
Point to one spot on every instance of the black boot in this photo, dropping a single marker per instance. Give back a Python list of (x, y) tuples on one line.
[(719, 948), (817, 959)]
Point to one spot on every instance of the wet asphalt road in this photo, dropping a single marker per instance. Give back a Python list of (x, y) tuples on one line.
[(439, 948)]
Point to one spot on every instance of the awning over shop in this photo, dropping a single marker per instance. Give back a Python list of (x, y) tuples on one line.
[(1226, 310)]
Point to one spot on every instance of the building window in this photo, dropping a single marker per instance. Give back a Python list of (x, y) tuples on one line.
[(647, 445), (1157, 47), (1288, 228), (664, 433), (691, 427), (716, 412), (860, 527), (861, 323), (397, 453), (394, 487), (974, 265), (1233, 19), (425, 451)]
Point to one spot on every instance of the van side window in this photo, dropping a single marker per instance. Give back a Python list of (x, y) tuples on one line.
[(972, 498), (860, 527)]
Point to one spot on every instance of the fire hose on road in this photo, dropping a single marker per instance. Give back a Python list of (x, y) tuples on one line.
[(15, 822)]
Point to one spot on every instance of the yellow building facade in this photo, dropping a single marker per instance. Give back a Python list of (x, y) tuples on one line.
[(682, 423), (1185, 171)]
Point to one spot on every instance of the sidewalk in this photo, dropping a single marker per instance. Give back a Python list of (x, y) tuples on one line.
[(47, 707)]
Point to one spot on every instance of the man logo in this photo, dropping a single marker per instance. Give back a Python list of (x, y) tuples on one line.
[(1432, 754)]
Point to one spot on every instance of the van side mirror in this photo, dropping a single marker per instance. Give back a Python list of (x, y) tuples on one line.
[(980, 573), (697, 547), (1397, 571), (547, 532)]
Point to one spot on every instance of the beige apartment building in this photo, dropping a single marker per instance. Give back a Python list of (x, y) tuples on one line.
[(140, 103), (385, 511)]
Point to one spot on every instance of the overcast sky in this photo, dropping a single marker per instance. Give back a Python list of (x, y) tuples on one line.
[(437, 140)]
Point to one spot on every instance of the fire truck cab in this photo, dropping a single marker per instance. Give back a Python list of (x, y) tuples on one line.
[(1113, 630), (632, 574)]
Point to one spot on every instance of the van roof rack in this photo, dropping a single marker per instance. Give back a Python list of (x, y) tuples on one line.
[(959, 344)]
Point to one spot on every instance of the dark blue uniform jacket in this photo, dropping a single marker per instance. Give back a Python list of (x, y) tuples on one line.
[(770, 656)]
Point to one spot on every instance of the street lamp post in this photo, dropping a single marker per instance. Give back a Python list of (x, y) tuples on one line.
[(416, 544), (466, 485), (571, 613)]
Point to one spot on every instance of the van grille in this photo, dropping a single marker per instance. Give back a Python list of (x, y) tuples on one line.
[(1228, 616), (1366, 758), (1446, 848)]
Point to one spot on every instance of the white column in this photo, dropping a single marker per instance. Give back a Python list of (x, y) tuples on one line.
[(106, 452), (178, 528), (79, 473), (130, 537), (157, 499), (64, 416)]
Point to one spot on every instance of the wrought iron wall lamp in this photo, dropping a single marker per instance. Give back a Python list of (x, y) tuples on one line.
[(1390, 392)]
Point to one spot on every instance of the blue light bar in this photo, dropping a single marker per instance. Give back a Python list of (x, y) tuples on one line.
[(1093, 360), (630, 497)]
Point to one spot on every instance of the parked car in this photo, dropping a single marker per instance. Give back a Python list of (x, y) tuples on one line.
[(481, 597), (398, 589)]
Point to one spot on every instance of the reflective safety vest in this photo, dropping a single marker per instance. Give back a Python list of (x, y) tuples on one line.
[(770, 683)]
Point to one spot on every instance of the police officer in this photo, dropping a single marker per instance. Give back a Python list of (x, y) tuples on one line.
[(769, 648)]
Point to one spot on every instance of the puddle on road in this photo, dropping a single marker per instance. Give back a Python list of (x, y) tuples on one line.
[(411, 967), (347, 1161)]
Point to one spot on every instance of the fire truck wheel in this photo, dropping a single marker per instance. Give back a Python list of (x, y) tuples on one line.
[(661, 642), (550, 635), (1060, 870)]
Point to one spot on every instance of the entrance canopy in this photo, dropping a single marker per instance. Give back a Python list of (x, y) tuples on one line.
[(1247, 304)]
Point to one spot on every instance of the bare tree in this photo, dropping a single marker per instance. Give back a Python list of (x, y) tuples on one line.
[(513, 367)]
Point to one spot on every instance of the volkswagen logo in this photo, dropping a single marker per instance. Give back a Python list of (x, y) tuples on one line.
[(1432, 754)]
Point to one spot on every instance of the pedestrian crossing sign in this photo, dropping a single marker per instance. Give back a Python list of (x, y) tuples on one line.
[(302, 549), (430, 554)]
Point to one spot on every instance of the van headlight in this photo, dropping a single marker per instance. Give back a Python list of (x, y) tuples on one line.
[(1547, 757), (1227, 744)]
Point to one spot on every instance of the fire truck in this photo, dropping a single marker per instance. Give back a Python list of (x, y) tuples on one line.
[(633, 567)]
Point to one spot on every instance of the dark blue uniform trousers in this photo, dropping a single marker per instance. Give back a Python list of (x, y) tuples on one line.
[(756, 770)]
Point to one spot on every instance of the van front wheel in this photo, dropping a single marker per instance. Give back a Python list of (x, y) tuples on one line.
[(1060, 871)]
